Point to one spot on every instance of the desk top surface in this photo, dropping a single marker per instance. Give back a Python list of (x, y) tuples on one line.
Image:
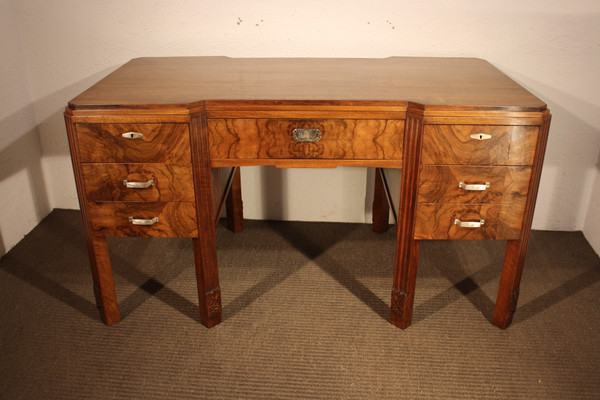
[(445, 83)]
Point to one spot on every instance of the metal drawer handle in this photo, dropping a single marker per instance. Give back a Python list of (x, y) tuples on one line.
[(469, 224), (481, 136), (136, 221), (306, 135), (138, 185), (465, 186), (132, 135)]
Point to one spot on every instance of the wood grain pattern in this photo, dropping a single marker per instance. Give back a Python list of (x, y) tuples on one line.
[(407, 248), (272, 138), (451, 144), (514, 259), (445, 82), (439, 184), (176, 219), (436, 221), (171, 182), (162, 143)]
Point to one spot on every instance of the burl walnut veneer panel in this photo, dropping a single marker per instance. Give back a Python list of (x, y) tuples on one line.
[(453, 144), (175, 219), (440, 184), (171, 182), (436, 221), (272, 138), (161, 143)]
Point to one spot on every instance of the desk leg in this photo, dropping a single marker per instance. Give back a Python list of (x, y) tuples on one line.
[(207, 278), (381, 207), (407, 248), (205, 245), (403, 292), (104, 286), (234, 204), (508, 290), (514, 258)]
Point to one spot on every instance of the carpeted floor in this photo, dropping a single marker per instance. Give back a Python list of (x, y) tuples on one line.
[(305, 317)]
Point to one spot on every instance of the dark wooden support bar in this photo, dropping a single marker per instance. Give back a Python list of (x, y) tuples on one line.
[(234, 204), (381, 207)]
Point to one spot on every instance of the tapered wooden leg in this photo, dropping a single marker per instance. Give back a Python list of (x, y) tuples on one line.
[(234, 204), (407, 248), (381, 207), (205, 245), (104, 287), (514, 258), (508, 291)]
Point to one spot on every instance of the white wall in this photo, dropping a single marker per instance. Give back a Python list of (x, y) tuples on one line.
[(23, 198), (551, 47)]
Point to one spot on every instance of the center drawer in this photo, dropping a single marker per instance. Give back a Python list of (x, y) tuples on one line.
[(292, 139)]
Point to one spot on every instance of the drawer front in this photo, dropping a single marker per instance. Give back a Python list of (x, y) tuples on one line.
[(138, 182), (159, 143), (273, 138), (437, 221), (503, 145), (442, 184), (175, 219)]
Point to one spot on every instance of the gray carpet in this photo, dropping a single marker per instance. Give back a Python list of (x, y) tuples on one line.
[(305, 317)]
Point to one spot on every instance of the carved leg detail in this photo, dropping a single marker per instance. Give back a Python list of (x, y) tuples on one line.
[(207, 276), (213, 301), (398, 301)]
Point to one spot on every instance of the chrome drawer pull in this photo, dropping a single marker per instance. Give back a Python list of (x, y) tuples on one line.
[(136, 221), (481, 136), (465, 186), (469, 224), (132, 135), (138, 185), (306, 135)]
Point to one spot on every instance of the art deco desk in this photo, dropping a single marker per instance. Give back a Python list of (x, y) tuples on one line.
[(156, 147)]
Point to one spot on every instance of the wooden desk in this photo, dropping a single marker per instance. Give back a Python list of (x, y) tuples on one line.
[(156, 145)]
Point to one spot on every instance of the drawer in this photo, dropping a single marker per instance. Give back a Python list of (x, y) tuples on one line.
[(273, 138), (159, 143), (165, 182), (440, 184), (468, 144), (437, 221), (175, 219)]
